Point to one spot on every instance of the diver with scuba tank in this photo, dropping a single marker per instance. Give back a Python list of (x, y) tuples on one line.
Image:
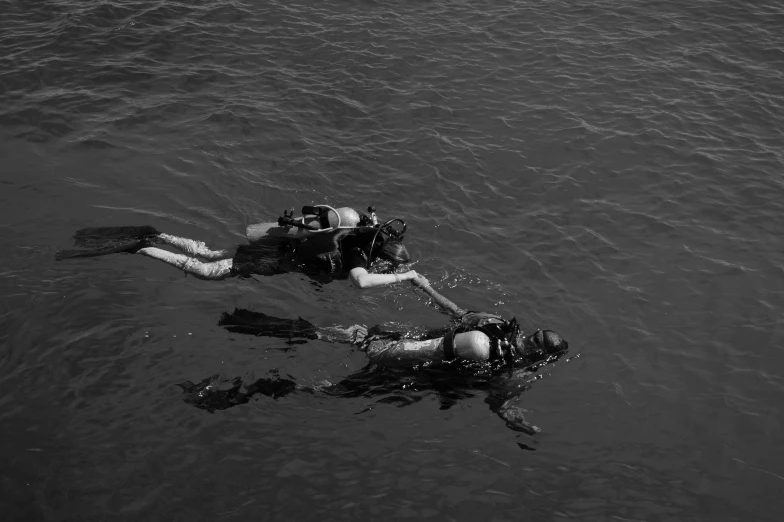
[(337, 242), (479, 345), (477, 337)]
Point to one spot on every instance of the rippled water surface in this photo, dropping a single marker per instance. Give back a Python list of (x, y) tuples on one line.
[(611, 170)]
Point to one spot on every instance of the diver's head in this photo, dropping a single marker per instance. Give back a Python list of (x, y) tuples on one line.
[(395, 252), (541, 345)]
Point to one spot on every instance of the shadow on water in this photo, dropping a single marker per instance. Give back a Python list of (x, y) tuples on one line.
[(500, 383)]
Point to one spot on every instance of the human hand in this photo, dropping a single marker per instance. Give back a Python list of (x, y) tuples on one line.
[(353, 334), (417, 279), (358, 334), (515, 420), (407, 276)]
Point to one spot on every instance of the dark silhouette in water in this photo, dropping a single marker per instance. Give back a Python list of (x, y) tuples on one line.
[(402, 365)]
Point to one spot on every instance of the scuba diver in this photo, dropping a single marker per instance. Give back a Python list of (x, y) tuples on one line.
[(482, 351), (323, 241)]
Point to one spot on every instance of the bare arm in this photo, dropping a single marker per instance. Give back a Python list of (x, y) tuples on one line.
[(451, 308), (361, 278)]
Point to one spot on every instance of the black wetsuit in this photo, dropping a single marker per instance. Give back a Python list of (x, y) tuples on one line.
[(502, 381), (349, 251)]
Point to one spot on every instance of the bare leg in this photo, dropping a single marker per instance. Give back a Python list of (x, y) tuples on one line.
[(215, 270), (194, 248)]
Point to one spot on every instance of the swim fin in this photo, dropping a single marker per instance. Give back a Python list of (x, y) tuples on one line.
[(259, 324), (101, 241)]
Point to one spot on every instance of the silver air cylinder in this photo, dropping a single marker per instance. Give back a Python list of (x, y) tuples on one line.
[(472, 346)]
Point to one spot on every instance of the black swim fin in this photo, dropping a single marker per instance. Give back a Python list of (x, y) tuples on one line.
[(101, 241), (259, 324)]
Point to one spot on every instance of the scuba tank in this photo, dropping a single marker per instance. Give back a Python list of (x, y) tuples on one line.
[(471, 346), (318, 234), (315, 219)]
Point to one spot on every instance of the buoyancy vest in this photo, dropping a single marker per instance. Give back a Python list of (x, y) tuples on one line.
[(320, 237), (329, 243)]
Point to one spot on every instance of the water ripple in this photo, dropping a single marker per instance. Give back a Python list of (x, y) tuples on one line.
[(610, 171)]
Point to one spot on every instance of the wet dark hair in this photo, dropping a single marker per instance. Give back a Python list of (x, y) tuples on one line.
[(395, 252)]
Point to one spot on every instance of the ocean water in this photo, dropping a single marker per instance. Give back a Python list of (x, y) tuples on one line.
[(609, 170)]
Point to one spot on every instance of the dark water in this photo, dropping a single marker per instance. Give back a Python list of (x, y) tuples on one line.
[(611, 170)]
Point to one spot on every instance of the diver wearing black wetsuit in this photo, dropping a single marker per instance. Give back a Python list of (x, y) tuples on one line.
[(480, 346), (355, 253)]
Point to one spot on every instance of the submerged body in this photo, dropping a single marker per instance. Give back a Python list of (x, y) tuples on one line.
[(456, 359)]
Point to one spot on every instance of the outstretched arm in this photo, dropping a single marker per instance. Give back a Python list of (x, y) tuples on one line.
[(503, 398), (361, 278), (451, 308)]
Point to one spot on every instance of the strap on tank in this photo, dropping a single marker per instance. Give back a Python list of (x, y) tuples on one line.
[(502, 333), (449, 345)]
